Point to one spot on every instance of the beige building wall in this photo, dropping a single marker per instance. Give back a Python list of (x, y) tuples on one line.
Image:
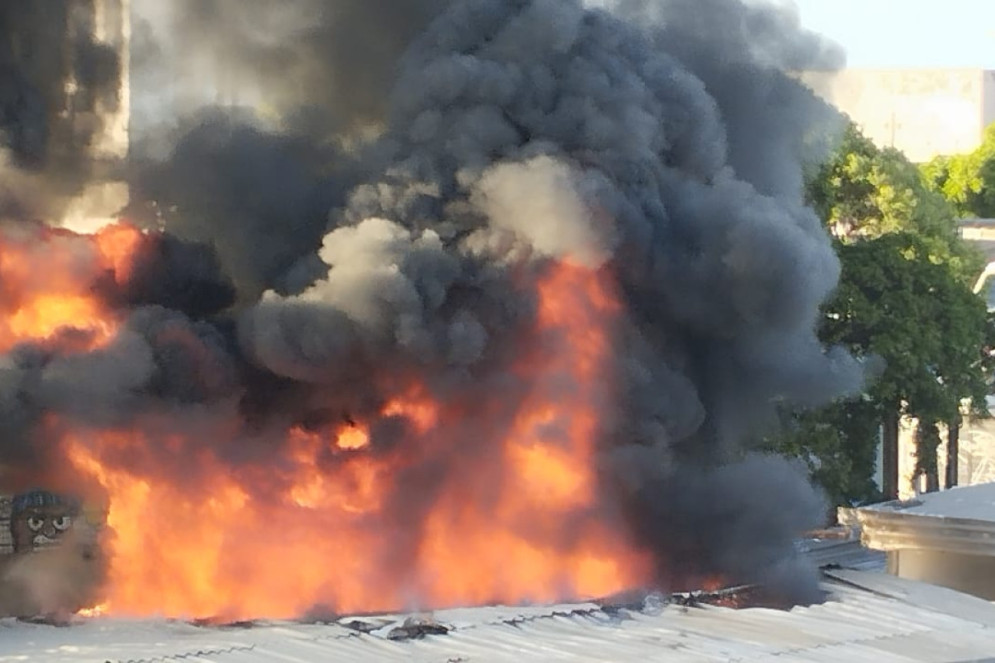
[(922, 112), (975, 457)]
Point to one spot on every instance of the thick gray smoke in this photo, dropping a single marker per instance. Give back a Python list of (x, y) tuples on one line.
[(661, 141), (304, 60), (54, 582), (531, 130), (319, 71)]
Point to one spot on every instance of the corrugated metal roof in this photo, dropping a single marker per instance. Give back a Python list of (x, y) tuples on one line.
[(870, 617), (845, 552)]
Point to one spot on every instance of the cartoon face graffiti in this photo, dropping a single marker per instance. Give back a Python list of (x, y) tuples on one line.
[(39, 518)]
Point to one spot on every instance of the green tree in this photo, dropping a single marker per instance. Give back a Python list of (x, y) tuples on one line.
[(838, 443), (863, 192), (967, 180), (904, 305), (922, 321)]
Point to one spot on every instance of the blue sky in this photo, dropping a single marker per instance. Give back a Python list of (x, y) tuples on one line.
[(906, 33)]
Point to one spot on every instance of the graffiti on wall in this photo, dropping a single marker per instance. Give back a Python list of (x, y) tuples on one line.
[(39, 518), (36, 520)]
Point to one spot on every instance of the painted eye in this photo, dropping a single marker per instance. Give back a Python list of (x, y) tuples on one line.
[(62, 523), (35, 524)]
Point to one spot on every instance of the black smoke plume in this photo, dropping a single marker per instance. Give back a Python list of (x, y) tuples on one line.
[(411, 162)]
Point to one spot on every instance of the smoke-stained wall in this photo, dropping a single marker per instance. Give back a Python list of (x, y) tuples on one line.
[(35, 60), (63, 99)]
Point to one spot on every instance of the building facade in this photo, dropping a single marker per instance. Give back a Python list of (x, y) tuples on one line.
[(922, 112), (65, 98)]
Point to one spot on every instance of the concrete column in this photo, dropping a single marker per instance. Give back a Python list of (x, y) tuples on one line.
[(889, 456)]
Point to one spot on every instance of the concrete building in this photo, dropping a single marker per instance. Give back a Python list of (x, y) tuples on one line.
[(974, 453), (65, 101), (108, 114), (945, 538), (922, 112)]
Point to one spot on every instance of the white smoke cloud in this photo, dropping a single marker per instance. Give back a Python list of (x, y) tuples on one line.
[(552, 208), (384, 278)]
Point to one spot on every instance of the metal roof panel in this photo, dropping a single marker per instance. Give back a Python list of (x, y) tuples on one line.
[(870, 617)]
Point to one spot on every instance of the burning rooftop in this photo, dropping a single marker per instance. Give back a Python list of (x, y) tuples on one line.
[(497, 320), (872, 617)]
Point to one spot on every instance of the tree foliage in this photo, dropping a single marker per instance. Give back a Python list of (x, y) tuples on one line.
[(967, 180), (863, 192), (903, 305), (838, 443), (896, 303)]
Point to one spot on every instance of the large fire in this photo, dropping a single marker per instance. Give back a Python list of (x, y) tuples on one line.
[(499, 319), (48, 282), (318, 516)]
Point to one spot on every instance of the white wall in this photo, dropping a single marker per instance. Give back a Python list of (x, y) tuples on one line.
[(988, 112), (923, 112), (975, 458)]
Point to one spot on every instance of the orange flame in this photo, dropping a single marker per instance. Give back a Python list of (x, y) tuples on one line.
[(480, 502), (118, 244), (94, 612), (47, 282)]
